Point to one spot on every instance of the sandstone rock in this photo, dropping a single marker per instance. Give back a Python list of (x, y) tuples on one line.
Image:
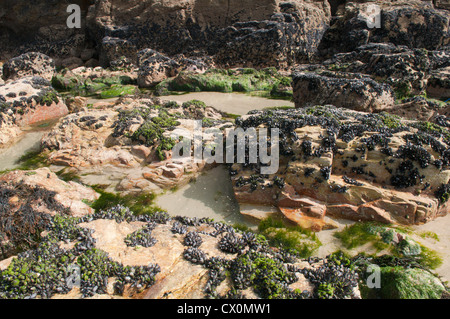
[(25, 102), (118, 137), (115, 48), (42, 28), (406, 70), (71, 63), (88, 54), (415, 76), (290, 36), (438, 85), (331, 164), (442, 4), (29, 64), (76, 104), (29, 199), (70, 194)]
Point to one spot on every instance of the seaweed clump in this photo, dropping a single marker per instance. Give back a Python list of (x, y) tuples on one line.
[(22, 218)]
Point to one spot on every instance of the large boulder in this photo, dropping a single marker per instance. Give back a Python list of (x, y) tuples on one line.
[(133, 141), (29, 199), (351, 165), (27, 101), (155, 67), (358, 93), (378, 76), (41, 28), (29, 64), (271, 33), (289, 36)]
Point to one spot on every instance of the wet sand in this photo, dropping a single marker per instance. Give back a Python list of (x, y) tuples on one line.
[(441, 227), (232, 103)]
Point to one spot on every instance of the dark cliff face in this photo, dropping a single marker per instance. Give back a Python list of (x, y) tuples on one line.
[(235, 32), (39, 26), (276, 32)]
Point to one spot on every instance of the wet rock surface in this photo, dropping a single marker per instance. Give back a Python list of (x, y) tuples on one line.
[(29, 64), (27, 101), (359, 93), (358, 166), (415, 24)]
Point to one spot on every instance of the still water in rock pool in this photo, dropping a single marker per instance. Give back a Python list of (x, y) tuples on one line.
[(232, 103), (210, 195), (9, 157)]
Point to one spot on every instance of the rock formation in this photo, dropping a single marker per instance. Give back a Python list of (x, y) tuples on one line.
[(27, 101), (137, 135), (345, 164)]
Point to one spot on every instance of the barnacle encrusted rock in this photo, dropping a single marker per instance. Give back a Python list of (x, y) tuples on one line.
[(351, 165), (27, 101), (358, 93), (29, 64), (154, 67), (415, 24), (378, 77)]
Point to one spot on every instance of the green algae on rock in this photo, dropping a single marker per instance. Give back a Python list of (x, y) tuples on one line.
[(218, 80)]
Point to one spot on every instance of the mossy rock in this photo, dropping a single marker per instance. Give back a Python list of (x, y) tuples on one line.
[(226, 81), (408, 247), (413, 283), (293, 240), (118, 90)]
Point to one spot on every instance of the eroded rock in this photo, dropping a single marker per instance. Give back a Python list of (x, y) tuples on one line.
[(27, 101), (350, 165), (29, 64)]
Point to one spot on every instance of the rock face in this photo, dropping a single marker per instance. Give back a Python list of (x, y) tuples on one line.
[(415, 24), (120, 255), (29, 64), (25, 102), (442, 4), (291, 35), (350, 165), (41, 28), (237, 33), (240, 31), (378, 77)]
